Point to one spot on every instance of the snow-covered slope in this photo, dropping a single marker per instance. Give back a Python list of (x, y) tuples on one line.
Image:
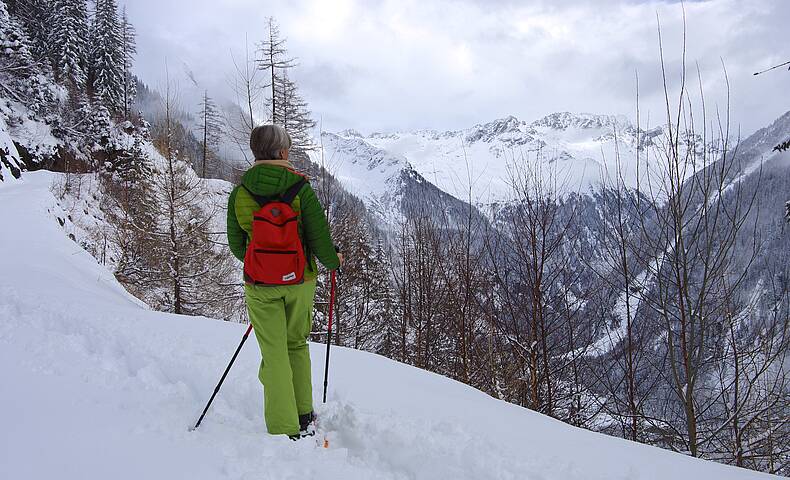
[(579, 150), (97, 386), (19, 130)]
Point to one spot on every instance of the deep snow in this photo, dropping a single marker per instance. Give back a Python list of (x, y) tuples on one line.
[(94, 385)]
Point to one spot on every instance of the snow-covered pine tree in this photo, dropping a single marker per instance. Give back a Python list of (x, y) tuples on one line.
[(131, 165), (129, 50), (19, 73), (35, 17), (292, 113), (68, 39), (106, 59), (363, 291), (379, 294), (95, 128), (14, 46), (211, 126)]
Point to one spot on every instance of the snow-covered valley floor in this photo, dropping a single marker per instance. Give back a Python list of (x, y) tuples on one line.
[(95, 386)]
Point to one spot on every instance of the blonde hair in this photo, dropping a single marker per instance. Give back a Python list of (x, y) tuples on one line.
[(267, 141)]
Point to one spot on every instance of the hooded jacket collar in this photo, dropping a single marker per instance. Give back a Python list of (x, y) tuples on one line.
[(277, 163)]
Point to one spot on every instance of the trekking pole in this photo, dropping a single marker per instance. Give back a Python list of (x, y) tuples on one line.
[(329, 331), (225, 374)]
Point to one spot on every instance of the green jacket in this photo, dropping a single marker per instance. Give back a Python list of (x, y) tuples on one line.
[(269, 180)]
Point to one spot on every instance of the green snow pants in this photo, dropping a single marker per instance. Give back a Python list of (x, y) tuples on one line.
[(282, 318)]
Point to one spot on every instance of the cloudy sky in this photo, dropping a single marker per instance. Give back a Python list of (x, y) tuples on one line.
[(383, 65)]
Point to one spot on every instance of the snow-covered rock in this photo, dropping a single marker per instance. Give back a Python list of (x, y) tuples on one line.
[(22, 137), (10, 163)]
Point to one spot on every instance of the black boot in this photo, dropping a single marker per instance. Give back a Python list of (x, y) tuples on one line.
[(305, 420), (307, 425)]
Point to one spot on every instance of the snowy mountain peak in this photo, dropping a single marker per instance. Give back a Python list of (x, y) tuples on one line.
[(351, 133), (586, 121), (574, 145), (488, 132)]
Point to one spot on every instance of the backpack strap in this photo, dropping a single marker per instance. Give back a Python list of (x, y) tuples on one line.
[(290, 195), (287, 197), (259, 199)]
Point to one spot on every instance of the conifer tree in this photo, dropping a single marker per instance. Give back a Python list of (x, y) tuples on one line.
[(129, 50), (292, 113), (97, 128), (14, 46), (210, 132), (363, 299), (35, 17), (68, 39), (107, 60), (19, 71), (286, 105)]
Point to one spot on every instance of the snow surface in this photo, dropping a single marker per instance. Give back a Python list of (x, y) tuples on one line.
[(97, 386)]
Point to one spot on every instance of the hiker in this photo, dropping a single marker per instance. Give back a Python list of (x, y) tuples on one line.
[(280, 281)]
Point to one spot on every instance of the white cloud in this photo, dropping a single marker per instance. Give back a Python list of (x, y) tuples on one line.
[(387, 64)]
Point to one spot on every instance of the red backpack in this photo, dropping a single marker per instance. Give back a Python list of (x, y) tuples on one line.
[(275, 255)]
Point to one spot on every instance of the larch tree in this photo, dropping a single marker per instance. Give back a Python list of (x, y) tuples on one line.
[(784, 146), (363, 300), (187, 273), (273, 59)]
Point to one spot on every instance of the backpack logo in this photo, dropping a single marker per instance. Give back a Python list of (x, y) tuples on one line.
[(290, 277), (276, 212)]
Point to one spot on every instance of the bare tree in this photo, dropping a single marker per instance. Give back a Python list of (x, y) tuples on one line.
[(421, 289), (534, 278), (699, 211), (249, 89)]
